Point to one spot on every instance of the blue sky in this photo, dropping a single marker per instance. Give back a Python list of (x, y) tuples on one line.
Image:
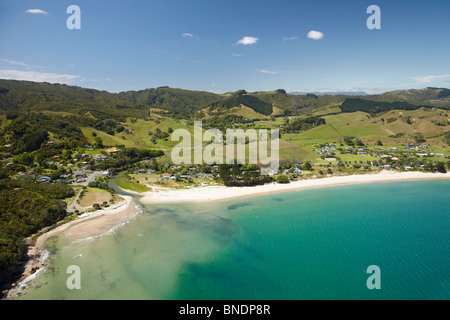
[(226, 45)]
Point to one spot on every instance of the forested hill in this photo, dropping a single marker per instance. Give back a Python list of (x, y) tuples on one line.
[(20, 96), (401, 100)]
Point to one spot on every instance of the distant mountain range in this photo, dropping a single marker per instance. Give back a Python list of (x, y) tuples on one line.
[(332, 93), (25, 96)]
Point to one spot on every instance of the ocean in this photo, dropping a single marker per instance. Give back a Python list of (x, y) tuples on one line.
[(308, 244)]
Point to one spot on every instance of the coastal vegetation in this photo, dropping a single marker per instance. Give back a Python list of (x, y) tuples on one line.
[(26, 208)]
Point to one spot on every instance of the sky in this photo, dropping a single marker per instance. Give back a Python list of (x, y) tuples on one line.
[(226, 45)]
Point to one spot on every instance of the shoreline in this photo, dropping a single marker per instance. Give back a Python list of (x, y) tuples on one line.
[(222, 193), (86, 226), (98, 223)]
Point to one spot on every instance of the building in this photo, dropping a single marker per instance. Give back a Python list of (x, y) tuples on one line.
[(80, 174), (44, 179), (112, 150)]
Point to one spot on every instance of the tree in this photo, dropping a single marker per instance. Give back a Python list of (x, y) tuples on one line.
[(379, 142), (282, 179), (26, 159), (307, 166), (224, 172), (359, 143), (99, 143), (33, 141), (154, 165), (440, 167)]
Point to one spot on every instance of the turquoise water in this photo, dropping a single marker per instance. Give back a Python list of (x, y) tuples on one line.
[(311, 244)]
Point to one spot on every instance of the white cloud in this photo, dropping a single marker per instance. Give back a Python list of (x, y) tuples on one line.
[(430, 78), (247, 41), (187, 35), (315, 35), (289, 38), (236, 55), (18, 63), (266, 71), (37, 76), (37, 11)]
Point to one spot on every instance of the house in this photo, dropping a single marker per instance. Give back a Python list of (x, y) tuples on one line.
[(386, 166), (50, 143), (408, 168), (112, 150), (100, 157), (10, 164), (297, 171), (105, 173), (142, 171), (80, 175), (167, 176), (44, 179), (362, 153)]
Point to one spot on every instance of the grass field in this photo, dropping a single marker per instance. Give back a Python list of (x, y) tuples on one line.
[(138, 136), (393, 128), (94, 195), (131, 185)]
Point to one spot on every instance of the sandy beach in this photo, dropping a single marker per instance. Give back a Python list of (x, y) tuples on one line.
[(220, 193), (86, 226)]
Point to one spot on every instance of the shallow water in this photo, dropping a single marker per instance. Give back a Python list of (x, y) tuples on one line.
[(309, 244)]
